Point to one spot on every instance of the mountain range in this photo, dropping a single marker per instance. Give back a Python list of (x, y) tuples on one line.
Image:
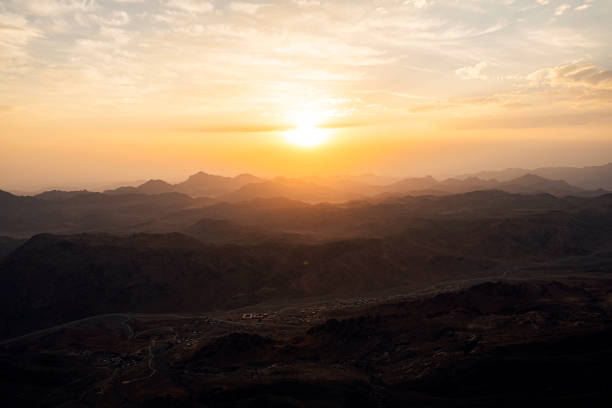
[(197, 185), (241, 292), (587, 181), (270, 250), (590, 177)]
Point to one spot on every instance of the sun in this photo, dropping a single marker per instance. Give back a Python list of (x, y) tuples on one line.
[(307, 131), (307, 136)]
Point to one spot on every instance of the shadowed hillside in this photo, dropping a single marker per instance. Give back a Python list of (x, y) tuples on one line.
[(404, 241), (533, 342)]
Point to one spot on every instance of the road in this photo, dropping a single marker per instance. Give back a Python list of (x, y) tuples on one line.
[(126, 318)]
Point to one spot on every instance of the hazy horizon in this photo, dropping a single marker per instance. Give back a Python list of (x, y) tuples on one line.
[(96, 92), (102, 185)]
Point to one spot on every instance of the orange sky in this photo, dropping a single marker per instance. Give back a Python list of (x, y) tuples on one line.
[(95, 92)]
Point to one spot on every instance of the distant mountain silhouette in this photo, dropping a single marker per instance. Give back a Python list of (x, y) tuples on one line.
[(203, 184), (525, 184), (197, 185), (247, 187), (591, 177), (414, 184), (531, 183), (12, 202), (59, 195), (149, 187), (294, 189)]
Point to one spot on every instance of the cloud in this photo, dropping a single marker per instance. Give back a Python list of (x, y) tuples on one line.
[(307, 3), (193, 6), (419, 3), (118, 35), (116, 18), (527, 122), (559, 11), (248, 8), (208, 55), (543, 2), (236, 128), (472, 72), (54, 7), (575, 74), (15, 34)]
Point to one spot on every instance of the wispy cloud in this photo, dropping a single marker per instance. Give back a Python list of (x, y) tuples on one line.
[(574, 74), (15, 34), (54, 7), (195, 6), (528, 121), (261, 56), (560, 10), (242, 7), (473, 72), (419, 3)]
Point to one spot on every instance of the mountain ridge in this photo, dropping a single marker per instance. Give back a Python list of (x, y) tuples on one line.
[(587, 177)]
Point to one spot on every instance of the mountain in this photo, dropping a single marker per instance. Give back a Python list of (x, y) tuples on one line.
[(8, 245), (203, 184), (591, 177), (246, 187), (8, 200), (525, 184), (59, 195), (149, 187), (245, 178), (293, 189), (197, 185), (91, 274), (26, 216), (274, 216), (459, 292), (531, 183), (413, 184), (221, 231), (364, 185), (405, 241)]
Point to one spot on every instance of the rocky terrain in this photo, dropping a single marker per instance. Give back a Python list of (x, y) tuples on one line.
[(508, 342), (224, 261), (154, 297)]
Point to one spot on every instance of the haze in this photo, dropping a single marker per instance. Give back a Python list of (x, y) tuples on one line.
[(94, 92), (305, 203)]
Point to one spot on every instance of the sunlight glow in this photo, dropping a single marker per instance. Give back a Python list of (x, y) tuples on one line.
[(307, 132)]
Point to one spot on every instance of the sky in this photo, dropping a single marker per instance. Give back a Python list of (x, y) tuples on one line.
[(94, 92)]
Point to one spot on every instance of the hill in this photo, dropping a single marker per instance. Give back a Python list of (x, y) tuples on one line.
[(51, 279)]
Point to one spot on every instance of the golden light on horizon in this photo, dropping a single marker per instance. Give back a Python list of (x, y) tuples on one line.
[(96, 92), (307, 131)]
